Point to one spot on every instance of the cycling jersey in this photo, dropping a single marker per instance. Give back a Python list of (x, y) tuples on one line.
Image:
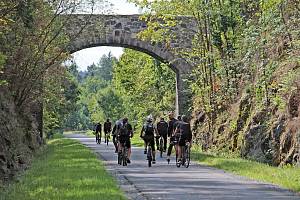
[(107, 127)]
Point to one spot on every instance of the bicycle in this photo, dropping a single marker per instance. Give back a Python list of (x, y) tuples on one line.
[(149, 154), (161, 146), (185, 155), (107, 137), (122, 154), (98, 138)]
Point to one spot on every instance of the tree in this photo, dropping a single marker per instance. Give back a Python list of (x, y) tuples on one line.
[(59, 98), (106, 66), (146, 85)]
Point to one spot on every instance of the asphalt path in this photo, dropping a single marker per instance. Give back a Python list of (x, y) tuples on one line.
[(167, 182)]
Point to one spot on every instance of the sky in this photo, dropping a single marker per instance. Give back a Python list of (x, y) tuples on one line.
[(89, 56)]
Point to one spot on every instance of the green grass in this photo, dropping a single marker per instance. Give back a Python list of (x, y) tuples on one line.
[(87, 132), (136, 140), (286, 177), (65, 170), (75, 132)]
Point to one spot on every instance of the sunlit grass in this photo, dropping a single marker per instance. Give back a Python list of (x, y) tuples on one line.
[(287, 177), (137, 141), (90, 133), (66, 170), (75, 132)]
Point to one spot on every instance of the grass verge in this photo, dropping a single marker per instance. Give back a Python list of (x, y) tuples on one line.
[(286, 177), (136, 140), (87, 132), (66, 170)]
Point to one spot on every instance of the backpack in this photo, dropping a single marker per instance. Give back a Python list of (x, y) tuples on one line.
[(162, 127), (107, 126), (184, 129), (97, 128), (149, 129), (123, 131)]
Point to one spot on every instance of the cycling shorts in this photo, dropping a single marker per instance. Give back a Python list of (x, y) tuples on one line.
[(126, 140), (150, 141)]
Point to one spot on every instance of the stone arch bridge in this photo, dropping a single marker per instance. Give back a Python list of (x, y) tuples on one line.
[(87, 31)]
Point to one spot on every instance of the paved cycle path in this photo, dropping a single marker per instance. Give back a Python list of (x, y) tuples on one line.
[(167, 182)]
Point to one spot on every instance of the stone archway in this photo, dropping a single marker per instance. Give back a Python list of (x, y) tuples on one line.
[(87, 31)]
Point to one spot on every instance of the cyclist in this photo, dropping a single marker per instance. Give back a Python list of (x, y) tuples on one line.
[(107, 129), (142, 136), (147, 134), (171, 129), (124, 133), (114, 134), (162, 131), (185, 135), (98, 130), (177, 123)]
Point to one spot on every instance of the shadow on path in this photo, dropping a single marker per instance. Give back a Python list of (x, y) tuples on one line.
[(167, 182)]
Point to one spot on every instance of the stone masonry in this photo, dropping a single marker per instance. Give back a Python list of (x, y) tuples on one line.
[(87, 31)]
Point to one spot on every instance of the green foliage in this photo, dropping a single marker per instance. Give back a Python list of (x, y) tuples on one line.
[(134, 86), (238, 46), (287, 176), (147, 86), (97, 100), (103, 69), (59, 98), (66, 170), (111, 102), (106, 63), (2, 61)]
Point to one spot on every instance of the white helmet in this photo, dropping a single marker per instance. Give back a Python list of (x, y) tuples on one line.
[(149, 118)]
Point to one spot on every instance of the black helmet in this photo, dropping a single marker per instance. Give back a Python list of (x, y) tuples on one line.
[(125, 119)]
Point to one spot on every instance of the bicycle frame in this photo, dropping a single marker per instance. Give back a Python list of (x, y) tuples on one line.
[(161, 146), (107, 137), (184, 157), (149, 154), (97, 138), (122, 154)]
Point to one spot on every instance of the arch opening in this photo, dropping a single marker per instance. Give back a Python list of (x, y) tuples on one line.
[(135, 74), (166, 58)]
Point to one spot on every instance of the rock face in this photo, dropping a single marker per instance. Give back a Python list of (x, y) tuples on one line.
[(269, 135), (19, 138)]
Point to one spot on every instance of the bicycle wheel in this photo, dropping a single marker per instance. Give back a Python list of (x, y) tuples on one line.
[(119, 158), (124, 156), (149, 156), (99, 139), (161, 146), (177, 163), (187, 156), (107, 139)]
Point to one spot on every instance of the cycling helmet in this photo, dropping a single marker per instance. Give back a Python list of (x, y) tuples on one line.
[(149, 118), (119, 122), (125, 120)]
